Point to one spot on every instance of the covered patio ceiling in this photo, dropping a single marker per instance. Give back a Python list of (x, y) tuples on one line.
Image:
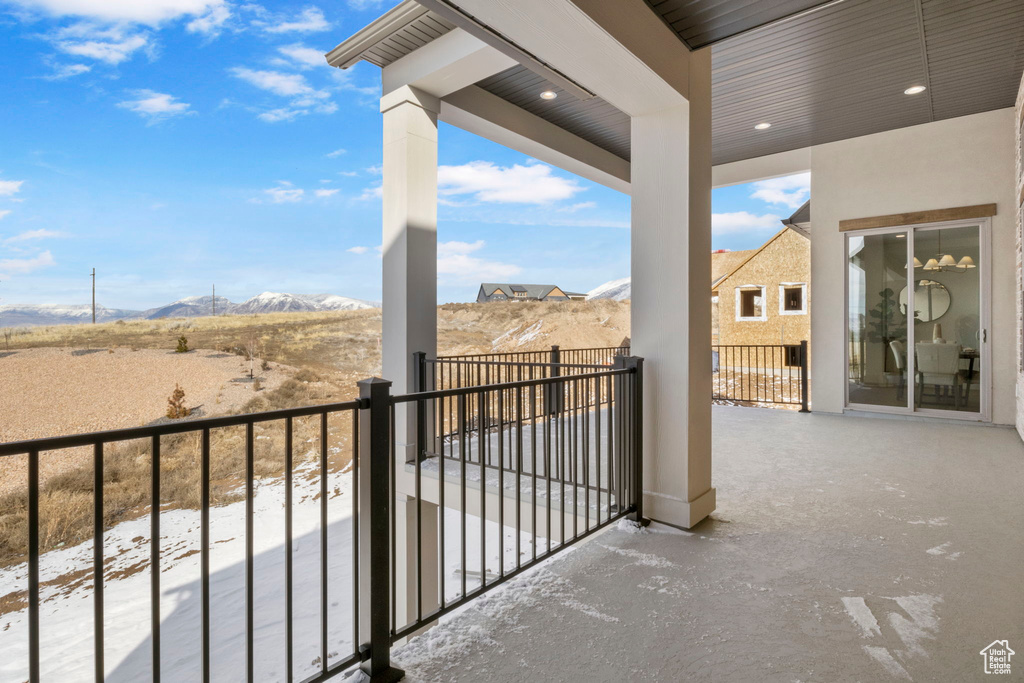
[(817, 72)]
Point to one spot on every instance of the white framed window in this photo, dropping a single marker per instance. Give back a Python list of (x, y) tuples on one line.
[(793, 298), (750, 303)]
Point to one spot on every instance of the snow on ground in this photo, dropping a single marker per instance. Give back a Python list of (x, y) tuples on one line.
[(67, 595)]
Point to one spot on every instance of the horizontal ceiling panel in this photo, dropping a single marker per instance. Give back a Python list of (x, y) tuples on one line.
[(702, 22), (833, 73)]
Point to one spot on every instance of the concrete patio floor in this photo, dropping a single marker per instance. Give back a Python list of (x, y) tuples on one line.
[(843, 549)]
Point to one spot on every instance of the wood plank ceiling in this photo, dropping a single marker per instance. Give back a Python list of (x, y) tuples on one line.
[(830, 74)]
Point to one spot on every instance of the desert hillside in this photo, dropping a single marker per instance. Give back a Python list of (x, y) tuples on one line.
[(69, 378)]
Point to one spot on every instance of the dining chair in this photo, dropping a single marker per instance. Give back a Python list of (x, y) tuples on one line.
[(938, 365), (899, 352)]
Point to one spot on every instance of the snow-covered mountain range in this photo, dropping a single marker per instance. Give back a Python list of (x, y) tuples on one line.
[(617, 290), (18, 315)]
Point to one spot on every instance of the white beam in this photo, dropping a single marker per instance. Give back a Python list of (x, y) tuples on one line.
[(475, 110), (446, 64), (566, 38), (762, 168)]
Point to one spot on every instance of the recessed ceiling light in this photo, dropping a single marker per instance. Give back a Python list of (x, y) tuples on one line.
[(548, 95), (914, 89), (762, 126)]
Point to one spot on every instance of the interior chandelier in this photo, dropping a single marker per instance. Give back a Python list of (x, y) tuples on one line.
[(945, 262)]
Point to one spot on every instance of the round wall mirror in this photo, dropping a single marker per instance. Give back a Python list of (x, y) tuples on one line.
[(931, 300)]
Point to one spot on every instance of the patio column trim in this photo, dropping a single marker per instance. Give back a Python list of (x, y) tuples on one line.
[(409, 245)]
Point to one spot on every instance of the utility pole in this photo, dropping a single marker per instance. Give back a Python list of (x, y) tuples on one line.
[(214, 301), (93, 296)]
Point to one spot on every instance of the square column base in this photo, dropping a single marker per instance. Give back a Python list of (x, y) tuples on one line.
[(679, 513)]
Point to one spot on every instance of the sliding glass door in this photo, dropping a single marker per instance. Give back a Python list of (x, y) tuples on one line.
[(916, 320)]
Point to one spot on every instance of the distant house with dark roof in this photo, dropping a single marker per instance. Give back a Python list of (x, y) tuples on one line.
[(497, 291)]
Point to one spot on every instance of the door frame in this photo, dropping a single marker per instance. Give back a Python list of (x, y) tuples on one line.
[(984, 226)]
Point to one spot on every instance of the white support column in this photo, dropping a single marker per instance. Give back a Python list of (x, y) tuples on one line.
[(406, 566), (671, 302), (410, 245)]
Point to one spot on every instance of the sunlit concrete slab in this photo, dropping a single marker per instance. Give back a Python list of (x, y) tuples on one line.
[(843, 548)]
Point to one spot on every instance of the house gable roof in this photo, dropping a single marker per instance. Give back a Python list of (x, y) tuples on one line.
[(531, 291), (753, 254)]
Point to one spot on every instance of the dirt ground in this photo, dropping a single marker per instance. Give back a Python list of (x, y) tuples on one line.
[(57, 391)]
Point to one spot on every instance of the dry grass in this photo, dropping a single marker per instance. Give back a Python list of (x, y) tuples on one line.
[(66, 500)]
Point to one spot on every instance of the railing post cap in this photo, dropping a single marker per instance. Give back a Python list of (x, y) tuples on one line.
[(373, 383)]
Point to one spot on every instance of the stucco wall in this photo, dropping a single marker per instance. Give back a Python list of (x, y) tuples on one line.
[(956, 162)]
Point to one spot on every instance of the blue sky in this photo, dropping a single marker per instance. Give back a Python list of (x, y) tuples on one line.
[(173, 144)]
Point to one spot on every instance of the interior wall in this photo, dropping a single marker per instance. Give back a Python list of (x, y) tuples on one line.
[(955, 162)]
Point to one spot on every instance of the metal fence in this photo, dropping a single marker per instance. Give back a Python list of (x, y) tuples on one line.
[(766, 374), (162, 441), (456, 372), (555, 475), (562, 475)]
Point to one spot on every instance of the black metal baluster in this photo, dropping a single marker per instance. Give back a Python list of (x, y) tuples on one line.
[(323, 542), (97, 560), (33, 566), (482, 414), (462, 485), (288, 557), (356, 643), (154, 554), (204, 550), (519, 472), (501, 485), (249, 543)]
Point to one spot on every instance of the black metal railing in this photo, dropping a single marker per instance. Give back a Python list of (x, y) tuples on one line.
[(556, 477), (160, 442), (456, 372), (761, 374), (576, 465)]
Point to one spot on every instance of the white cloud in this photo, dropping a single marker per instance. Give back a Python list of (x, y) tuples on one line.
[(304, 97), (573, 208), (348, 174), (456, 259), (372, 192), (375, 170), (358, 250), (743, 222), (31, 235), (336, 153), (9, 188), (112, 45), (282, 114), (212, 22), (284, 192), (791, 191), (308, 20), (62, 71), (4, 213), (487, 182), (304, 57), (155, 106), (325, 193), (286, 85), (367, 4), (26, 265), (151, 12)]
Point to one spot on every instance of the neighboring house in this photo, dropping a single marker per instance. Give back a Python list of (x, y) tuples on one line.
[(494, 291), (763, 296)]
